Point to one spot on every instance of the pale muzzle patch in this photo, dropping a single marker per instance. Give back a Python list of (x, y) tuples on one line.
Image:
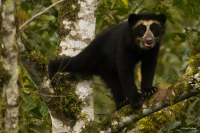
[(148, 40)]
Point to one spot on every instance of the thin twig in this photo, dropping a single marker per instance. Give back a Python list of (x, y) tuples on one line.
[(47, 95), (60, 68), (138, 6), (133, 10), (31, 19), (98, 84), (128, 15), (39, 8)]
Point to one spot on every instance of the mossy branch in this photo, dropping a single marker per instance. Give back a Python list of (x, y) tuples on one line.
[(63, 103), (33, 62), (163, 98), (186, 87), (160, 100)]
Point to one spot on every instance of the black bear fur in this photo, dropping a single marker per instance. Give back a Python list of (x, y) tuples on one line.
[(113, 55)]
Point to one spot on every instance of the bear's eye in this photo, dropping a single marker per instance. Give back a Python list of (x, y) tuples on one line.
[(153, 30), (142, 31)]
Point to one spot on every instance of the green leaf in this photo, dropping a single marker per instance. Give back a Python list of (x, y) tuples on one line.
[(125, 2), (43, 109), (101, 105), (25, 6), (182, 36), (26, 78), (189, 121), (25, 98), (29, 86), (173, 125), (29, 106), (190, 111), (180, 4), (34, 131)]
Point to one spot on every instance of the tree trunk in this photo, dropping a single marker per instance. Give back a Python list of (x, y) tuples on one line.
[(79, 26), (10, 88)]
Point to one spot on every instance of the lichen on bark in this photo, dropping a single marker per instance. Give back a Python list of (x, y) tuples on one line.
[(68, 10)]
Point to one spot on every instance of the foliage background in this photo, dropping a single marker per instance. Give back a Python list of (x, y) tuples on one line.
[(182, 31)]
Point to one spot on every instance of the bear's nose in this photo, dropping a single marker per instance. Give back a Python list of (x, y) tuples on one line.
[(149, 40)]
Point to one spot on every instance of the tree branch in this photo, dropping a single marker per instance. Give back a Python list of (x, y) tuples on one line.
[(138, 6), (34, 65), (185, 88), (161, 99), (133, 11), (38, 14)]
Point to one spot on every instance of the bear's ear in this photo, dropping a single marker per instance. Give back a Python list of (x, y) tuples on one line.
[(133, 18), (162, 18)]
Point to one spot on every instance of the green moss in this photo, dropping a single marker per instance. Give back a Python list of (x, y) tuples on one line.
[(34, 57), (97, 126), (2, 109), (194, 61), (176, 90), (83, 115), (4, 76), (22, 114), (69, 106), (196, 50), (150, 124), (2, 71), (130, 127), (127, 110), (38, 59), (68, 9), (25, 41), (90, 127), (67, 103)]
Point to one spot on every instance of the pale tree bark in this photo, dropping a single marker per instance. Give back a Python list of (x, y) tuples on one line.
[(82, 31), (10, 88)]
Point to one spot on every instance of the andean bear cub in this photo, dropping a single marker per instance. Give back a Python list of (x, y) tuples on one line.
[(114, 53)]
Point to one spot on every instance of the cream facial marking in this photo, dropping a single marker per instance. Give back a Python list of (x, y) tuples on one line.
[(148, 35), (145, 22), (139, 40)]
